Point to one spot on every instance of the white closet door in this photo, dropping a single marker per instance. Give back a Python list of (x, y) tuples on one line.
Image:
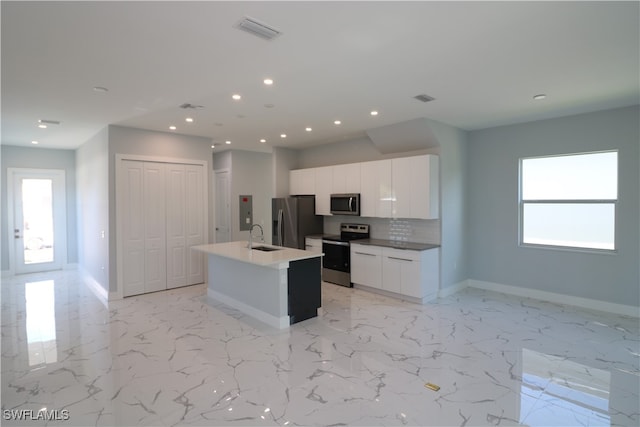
[(133, 228), (155, 227), (196, 198), (176, 226)]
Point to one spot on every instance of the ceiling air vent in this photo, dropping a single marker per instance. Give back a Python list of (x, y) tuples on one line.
[(424, 98), (257, 28), (188, 106)]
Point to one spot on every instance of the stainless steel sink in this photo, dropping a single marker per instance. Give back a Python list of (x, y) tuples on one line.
[(265, 248)]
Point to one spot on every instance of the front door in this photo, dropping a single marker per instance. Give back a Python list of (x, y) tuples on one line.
[(38, 219)]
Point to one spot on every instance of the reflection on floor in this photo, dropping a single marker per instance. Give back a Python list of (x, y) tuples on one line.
[(176, 358)]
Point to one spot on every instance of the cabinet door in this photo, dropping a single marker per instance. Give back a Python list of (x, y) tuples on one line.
[(314, 245), (176, 226), (346, 178), (415, 187), (375, 189), (196, 197), (302, 182), (324, 186), (366, 265), (391, 274), (155, 271), (405, 187)]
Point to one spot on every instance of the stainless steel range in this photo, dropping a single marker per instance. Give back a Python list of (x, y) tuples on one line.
[(337, 253)]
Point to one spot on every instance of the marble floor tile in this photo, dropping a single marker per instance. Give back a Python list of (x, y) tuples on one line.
[(176, 358)]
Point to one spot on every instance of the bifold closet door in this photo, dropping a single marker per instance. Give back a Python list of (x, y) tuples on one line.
[(185, 224), (133, 227), (195, 220), (176, 226), (154, 197)]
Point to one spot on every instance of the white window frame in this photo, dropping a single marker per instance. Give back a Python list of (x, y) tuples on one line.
[(522, 203)]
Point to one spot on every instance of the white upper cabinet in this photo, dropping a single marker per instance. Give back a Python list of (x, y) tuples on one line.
[(302, 182), (375, 189), (346, 178), (415, 187), (324, 187)]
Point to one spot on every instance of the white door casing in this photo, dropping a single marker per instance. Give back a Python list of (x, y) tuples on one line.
[(16, 229)]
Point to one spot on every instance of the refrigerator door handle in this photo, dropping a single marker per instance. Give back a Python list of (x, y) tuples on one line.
[(280, 229)]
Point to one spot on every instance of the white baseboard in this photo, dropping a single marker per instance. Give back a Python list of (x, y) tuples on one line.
[(96, 288), (269, 319), (591, 304), (455, 288)]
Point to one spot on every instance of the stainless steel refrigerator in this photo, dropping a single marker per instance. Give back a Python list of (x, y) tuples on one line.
[(294, 218)]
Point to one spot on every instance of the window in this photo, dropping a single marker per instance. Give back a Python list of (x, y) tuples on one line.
[(569, 201)]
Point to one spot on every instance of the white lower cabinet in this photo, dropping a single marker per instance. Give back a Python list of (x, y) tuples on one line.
[(313, 245), (407, 273), (366, 265)]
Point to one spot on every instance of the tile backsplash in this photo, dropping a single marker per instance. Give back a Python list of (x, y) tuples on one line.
[(406, 230)]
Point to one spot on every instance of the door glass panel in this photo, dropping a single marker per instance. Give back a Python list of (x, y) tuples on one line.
[(37, 208)]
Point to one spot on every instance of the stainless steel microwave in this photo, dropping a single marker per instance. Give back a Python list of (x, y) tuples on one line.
[(345, 204)]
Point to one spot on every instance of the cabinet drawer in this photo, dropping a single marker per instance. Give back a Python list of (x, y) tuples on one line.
[(402, 254)]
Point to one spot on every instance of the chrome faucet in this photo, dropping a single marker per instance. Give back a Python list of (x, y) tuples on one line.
[(250, 243)]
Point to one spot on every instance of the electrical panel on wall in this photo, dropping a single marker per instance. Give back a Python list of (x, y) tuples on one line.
[(246, 212)]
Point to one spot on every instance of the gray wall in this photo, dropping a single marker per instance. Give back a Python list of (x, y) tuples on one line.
[(453, 203), (493, 207), (251, 173), (284, 160), (39, 158), (92, 168), (158, 144)]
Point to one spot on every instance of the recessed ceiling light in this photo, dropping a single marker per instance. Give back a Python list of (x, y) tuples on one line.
[(374, 113), (35, 142), (539, 97), (227, 142), (100, 89), (268, 81), (213, 146), (337, 122), (283, 135), (308, 129), (189, 120), (42, 126), (236, 96), (172, 127), (263, 140)]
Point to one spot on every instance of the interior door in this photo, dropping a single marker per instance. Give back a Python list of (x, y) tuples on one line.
[(38, 219), (223, 207)]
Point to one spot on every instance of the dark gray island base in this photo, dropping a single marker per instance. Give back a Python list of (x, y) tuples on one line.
[(280, 287), (304, 290)]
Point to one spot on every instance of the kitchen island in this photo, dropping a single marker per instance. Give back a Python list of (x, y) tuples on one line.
[(276, 285)]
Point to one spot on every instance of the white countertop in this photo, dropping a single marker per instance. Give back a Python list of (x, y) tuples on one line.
[(239, 251)]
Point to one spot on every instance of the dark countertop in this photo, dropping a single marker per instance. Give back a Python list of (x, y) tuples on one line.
[(320, 236), (396, 244)]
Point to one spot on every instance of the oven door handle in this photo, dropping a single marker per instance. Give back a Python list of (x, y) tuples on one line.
[(331, 242)]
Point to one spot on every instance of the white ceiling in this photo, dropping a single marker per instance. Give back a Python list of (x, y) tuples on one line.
[(482, 61)]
